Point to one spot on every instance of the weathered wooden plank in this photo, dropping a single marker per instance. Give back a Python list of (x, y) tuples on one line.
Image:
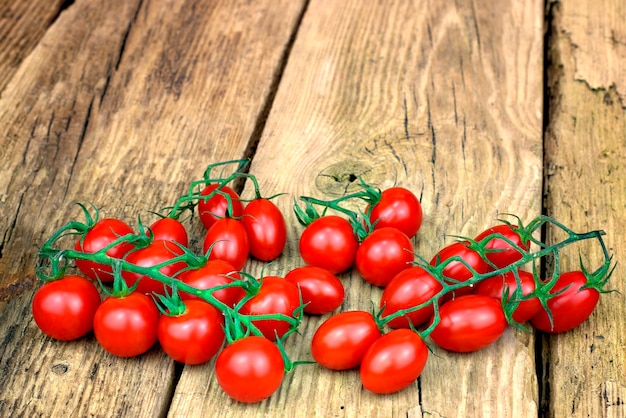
[(585, 368), (122, 104), (22, 24), (443, 98)]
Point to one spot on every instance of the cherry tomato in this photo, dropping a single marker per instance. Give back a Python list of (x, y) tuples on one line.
[(495, 288), (393, 362), (154, 254), (250, 370), (215, 208), (343, 339), (383, 254), (275, 296), (169, 229), (126, 326), (456, 270), (329, 242), (321, 290), (570, 308), (398, 208), (228, 241), (409, 288), (193, 337), (100, 235), (266, 229), (469, 323), (502, 253), (212, 274), (64, 309)]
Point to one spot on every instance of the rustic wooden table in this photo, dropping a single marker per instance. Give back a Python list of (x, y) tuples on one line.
[(479, 107)]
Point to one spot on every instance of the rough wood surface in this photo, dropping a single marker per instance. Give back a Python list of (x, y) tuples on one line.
[(124, 103)]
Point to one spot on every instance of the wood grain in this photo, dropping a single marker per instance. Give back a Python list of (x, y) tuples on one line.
[(585, 148)]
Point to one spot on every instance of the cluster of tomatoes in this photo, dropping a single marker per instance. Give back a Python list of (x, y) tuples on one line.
[(198, 306)]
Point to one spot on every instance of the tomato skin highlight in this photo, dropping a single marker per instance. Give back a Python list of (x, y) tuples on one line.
[(64, 309), (494, 287), (276, 295), (469, 323), (393, 362), (169, 229), (321, 290), (383, 254), (570, 308), (250, 370), (398, 208), (329, 242), (266, 229), (212, 274), (502, 253), (193, 337), (216, 207), (342, 340), (101, 234), (126, 326), (228, 241), (409, 288)]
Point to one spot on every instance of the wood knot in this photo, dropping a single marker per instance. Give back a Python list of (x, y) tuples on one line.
[(343, 177)]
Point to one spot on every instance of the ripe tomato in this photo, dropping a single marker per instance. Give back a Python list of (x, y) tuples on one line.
[(64, 309), (266, 229), (501, 253), (228, 241), (469, 323), (169, 229), (343, 339), (456, 270), (250, 370), (193, 337), (275, 296), (329, 242), (393, 362), (321, 290), (398, 208), (126, 326), (409, 288), (495, 286), (154, 254), (383, 254), (215, 208), (100, 235), (570, 308), (212, 274)]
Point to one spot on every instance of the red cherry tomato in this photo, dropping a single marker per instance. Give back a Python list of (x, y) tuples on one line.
[(212, 274), (410, 288), (193, 337), (570, 308), (495, 288), (266, 229), (502, 253), (100, 235), (383, 254), (250, 370), (275, 296), (64, 309), (469, 323), (393, 362), (398, 208), (126, 326), (154, 254), (321, 290), (214, 208), (169, 229), (343, 339), (456, 270), (228, 241), (329, 242)]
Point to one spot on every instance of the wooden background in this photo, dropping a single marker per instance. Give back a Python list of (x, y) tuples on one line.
[(478, 107)]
